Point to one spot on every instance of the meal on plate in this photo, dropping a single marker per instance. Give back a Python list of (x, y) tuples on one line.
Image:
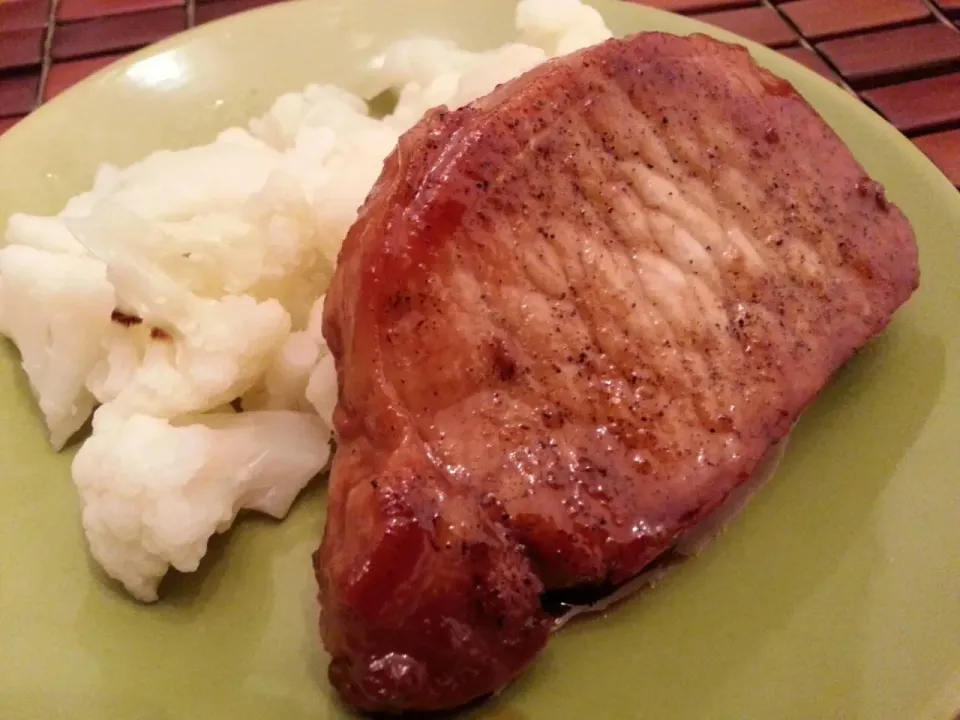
[(593, 286)]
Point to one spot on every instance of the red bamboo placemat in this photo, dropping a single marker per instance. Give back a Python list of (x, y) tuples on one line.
[(900, 56)]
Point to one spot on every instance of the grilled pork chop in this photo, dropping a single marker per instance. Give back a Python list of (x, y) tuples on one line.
[(570, 320)]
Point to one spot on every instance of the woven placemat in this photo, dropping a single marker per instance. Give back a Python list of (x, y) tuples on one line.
[(900, 56)]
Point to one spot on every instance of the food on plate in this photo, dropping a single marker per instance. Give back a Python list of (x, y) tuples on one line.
[(190, 284), (570, 321), (154, 492), (577, 312), (174, 291)]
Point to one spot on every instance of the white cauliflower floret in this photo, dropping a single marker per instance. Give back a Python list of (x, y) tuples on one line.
[(203, 353), (213, 257), (299, 376), (415, 100), (231, 217), (315, 320), (203, 362), (333, 157), (418, 60), (195, 181), (321, 389), (429, 72), (48, 234), (494, 67), (317, 106), (122, 351), (268, 244), (560, 26), (56, 308), (298, 239), (352, 168), (154, 493), (284, 383)]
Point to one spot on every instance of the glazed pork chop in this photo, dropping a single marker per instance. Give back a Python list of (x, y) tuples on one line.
[(570, 320)]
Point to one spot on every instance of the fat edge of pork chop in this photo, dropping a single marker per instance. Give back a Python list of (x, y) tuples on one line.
[(570, 320)]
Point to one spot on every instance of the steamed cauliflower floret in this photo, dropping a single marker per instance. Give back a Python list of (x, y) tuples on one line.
[(301, 375), (429, 72), (418, 60), (56, 308), (352, 167), (207, 361), (317, 106), (296, 251), (415, 99), (432, 72), (560, 27), (232, 217), (206, 352), (191, 182), (494, 67), (284, 383), (267, 244), (154, 493), (321, 389), (48, 234), (122, 352), (334, 151)]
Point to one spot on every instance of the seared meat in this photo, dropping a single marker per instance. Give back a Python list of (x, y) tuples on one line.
[(569, 321)]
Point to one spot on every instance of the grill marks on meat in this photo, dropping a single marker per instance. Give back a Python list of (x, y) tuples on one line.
[(570, 320)]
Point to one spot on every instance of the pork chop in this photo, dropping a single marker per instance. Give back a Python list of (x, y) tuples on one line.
[(570, 320)]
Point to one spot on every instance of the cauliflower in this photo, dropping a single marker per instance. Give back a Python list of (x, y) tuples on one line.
[(166, 185), (415, 99), (333, 153), (560, 26), (318, 106), (429, 72), (302, 375), (56, 308), (267, 244), (419, 61), (321, 388), (284, 383), (494, 67), (200, 363), (48, 234), (203, 353), (154, 492)]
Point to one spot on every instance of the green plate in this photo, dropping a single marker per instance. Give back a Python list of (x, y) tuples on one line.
[(835, 595)]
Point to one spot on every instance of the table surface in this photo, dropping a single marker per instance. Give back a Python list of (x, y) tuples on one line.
[(900, 56)]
